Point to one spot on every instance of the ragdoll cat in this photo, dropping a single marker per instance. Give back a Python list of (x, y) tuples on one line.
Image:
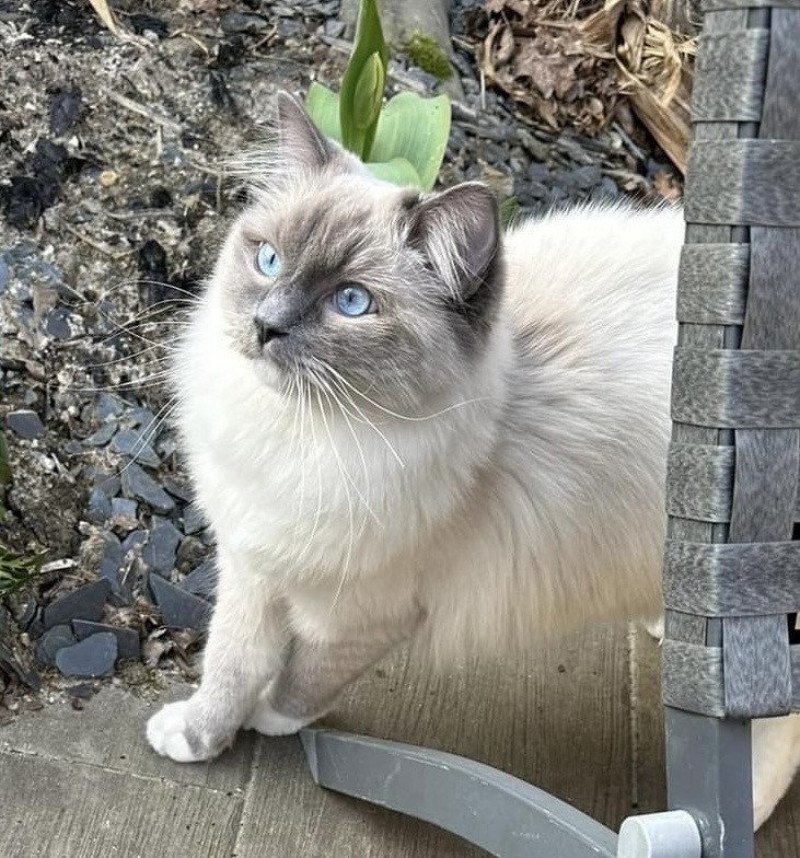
[(401, 423)]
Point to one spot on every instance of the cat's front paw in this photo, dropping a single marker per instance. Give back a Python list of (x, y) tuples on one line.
[(266, 720), (171, 733)]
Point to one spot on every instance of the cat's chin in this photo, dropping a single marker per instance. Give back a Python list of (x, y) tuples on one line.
[(272, 374)]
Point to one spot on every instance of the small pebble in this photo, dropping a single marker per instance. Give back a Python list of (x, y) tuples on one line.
[(25, 423), (124, 513), (51, 642), (179, 608), (85, 603), (162, 544), (137, 484), (128, 442), (127, 639), (92, 657)]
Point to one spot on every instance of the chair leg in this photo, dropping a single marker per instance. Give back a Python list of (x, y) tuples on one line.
[(709, 773)]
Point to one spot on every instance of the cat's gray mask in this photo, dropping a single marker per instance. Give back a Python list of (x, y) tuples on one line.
[(430, 261)]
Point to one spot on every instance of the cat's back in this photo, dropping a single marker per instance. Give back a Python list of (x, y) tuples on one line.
[(610, 269)]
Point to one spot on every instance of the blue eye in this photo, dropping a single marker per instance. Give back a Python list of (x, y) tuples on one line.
[(353, 300), (267, 260)]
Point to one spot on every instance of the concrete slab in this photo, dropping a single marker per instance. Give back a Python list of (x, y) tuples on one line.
[(109, 732), (57, 809)]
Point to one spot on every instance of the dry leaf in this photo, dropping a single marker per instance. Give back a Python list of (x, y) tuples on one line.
[(105, 14), (580, 67)]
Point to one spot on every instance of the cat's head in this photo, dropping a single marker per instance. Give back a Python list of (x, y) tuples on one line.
[(340, 279)]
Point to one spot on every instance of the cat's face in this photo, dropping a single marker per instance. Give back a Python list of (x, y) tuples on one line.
[(342, 281)]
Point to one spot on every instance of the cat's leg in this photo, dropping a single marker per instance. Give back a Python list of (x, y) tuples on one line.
[(776, 760), (247, 645), (325, 656)]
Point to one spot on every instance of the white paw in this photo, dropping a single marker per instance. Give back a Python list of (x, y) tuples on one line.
[(266, 720), (170, 734)]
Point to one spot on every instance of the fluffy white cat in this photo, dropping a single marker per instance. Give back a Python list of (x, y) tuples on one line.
[(401, 422)]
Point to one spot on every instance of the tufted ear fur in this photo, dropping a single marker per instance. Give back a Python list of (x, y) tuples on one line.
[(458, 231), (300, 141)]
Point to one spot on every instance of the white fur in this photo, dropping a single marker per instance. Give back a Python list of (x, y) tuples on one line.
[(530, 502)]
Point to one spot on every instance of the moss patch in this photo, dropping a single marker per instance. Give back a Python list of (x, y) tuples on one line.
[(424, 51)]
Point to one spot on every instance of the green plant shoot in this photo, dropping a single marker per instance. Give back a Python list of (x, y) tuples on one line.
[(402, 141)]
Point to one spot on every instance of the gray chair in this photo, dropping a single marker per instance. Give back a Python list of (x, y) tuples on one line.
[(732, 569)]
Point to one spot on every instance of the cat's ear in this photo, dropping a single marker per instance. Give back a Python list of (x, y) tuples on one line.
[(458, 232), (298, 138)]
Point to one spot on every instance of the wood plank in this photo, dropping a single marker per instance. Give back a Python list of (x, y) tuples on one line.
[(56, 809), (557, 718)]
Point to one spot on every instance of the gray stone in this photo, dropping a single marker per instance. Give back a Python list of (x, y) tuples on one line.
[(134, 539), (202, 581), (179, 608), (94, 656), (5, 274), (193, 521), (162, 544), (102, 436), (334, 28), (57, 324), (127, 639), (25, 423), (586, 178), (128, 442), (124, 513), (85, 603), (108, 484), (98, 509), (51, 642), (178, 489), (107, 406), (240, 22), (143, 417), (111, 562), (137, 484)]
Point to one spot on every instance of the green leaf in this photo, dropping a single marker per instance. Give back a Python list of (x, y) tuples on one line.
[(358, 129), (322, 105), (369, 93), (416, 129), (398, 171)]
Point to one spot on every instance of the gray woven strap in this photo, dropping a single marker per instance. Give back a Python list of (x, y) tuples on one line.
[(721, 5), (756, 667), (794, 655), (700, 482), (692, 677), (727, 580), (730, 73), (744, 182), (713, 283), (732, 389)]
